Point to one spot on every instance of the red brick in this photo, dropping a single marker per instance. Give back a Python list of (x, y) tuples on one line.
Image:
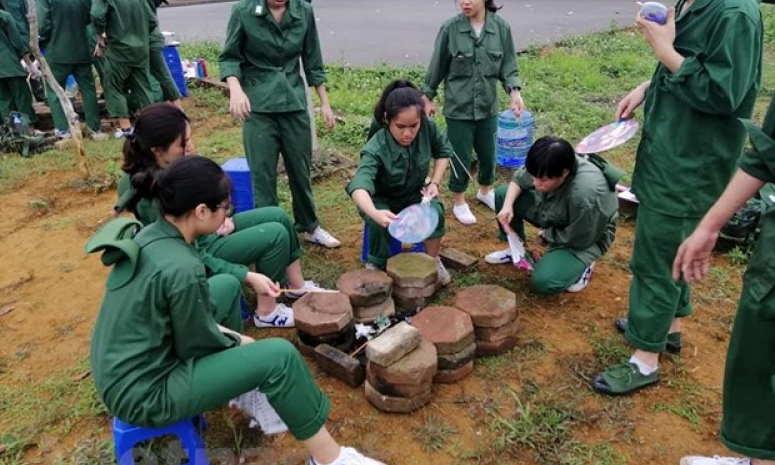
[(455, 259), (455, 361), (412, 270), (412, 292), (497, 334), (486, 349), (340, 365), (450, 329), (417, 367), (369, 314), (489, 306), (393, 344), (393, 389), (397, 404), (365, 288), (320, 313), (453, 376)]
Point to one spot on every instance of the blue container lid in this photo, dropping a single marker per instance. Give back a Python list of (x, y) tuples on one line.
[(236, 164)]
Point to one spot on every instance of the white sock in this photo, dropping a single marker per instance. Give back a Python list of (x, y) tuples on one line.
[(332, 462), (643, 367)]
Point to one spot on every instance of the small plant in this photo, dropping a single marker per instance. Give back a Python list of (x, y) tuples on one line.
[(740, 255), (434, 433), (42, 206)]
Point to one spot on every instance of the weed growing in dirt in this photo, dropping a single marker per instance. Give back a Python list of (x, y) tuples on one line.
[(740, 255), (41, 206), (433, 432)]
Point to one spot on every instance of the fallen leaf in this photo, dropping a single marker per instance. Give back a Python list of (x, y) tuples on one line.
[(7, 308), (82, 376)]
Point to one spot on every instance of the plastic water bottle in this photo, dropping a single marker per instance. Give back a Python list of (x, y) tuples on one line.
[(654, 11), (514, 138)]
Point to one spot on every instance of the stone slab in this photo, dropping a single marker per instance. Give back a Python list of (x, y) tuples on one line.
[(318, 313), (393, 344), (417, 367), (412, 270), (455, 259), (308, 350), (497, 334), (486, 349), (410, 303), (455, 361), (412, 292), (453, 376), (393, 404), (332, 339), (394, 389), (489, 306), (340, 365), (450, 329), (369, 314), (366, 288)]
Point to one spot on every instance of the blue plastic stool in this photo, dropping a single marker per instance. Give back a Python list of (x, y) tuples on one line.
[(395, 245), (126, 436), (241, 187)]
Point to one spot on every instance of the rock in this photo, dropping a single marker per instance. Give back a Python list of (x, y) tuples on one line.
[(412, 292), (397, 404), (394, 389), (369, 314), (455, 259), (417, 367), (497, 334), (455, 361), (366, 288), (453, 376), (319, 313), (486, 349), (340, 365), (410, 303), (393, 344), (450, 329), (412, 270), (489, 306)]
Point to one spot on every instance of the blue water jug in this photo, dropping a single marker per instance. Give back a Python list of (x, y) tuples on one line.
[(514, 138)]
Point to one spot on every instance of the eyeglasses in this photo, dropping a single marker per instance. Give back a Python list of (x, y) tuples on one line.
[(228, 206)]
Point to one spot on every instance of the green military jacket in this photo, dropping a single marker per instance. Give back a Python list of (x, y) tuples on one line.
[(127, 25), (150, 330), (148, 211), (471, 66), (691, 138), (19, 10), (580, 215), (12, 48), (264, 55), (156, 39), (389, 170), (62, 28)]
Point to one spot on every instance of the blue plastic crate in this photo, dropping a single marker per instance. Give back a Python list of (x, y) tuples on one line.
[(241, 187), (172, 58)]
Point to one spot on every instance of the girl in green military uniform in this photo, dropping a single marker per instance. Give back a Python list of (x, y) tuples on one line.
[(265, 41), (263, 237), (474, 50), (157, 354), (14, 93), (393, 169)]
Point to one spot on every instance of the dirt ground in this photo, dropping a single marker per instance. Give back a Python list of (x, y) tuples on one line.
[(56, 290)]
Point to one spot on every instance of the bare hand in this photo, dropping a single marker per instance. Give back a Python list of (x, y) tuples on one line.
[(430, 107), (245, 339), (517, 105), (239, 104), (328, 116), (693, 257), (227, 227), (506, 215), (659, 36), (384, 217), (540, 239), (631, 102), (431, 190), (263, 285)]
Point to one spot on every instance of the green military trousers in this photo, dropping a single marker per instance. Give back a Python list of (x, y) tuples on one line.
[(15, 95), (263, 237), (379, 237), (559, 268), (120, 78), (82, 73), (160, 72), (466, 137), (748, 425), (225, 295), (265, 136), (273, 366), (655, 298)]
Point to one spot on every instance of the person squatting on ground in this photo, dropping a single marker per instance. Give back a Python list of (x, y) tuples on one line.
[(63, 32), (574, 204), (707, 77), (393, 169), (474, 51), (263, 237), (15, 95), (260, 61), (157, 354), (123, 30)]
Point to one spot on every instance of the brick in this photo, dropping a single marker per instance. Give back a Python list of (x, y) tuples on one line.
[(486, 349), (394, 389), (308, 349), (489, 306), (393, 344), (453, 376), (412, 270), (417, 367), (497, 334), (331, 339), (393, 404), (320, 313), (455, 361), (410, 302), (369, 314), (340, 365), (366, 288), (455, 259), (450, 329), (412, 292)]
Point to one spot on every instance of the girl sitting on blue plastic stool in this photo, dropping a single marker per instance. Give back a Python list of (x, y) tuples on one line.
[(263, 237), (393, 169)]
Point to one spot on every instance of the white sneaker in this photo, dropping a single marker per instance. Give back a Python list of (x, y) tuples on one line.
[(372, 267), (322, 237), (262, 414), (583, 280), (98, 135), (444, 277), (487, 199), (281, 317), (715, 460), (121, 133), (463, 214), (498, 258), (349, 456), (62, 135), (308, 285)]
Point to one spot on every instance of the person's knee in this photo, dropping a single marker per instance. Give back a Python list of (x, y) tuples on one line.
[(227, 283), (281, 351), (276, 215), (545, 283)]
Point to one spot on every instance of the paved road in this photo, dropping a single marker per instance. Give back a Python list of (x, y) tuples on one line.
[(371, 32)]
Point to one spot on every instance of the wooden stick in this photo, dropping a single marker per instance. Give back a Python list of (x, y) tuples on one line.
[(359, 349), (304, 291)]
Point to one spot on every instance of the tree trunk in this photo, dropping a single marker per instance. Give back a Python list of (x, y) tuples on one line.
[(73, 122)]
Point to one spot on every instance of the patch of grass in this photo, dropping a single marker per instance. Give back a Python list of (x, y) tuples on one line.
[(57, 223), (739, 255), (41, 206), (433, 432)]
